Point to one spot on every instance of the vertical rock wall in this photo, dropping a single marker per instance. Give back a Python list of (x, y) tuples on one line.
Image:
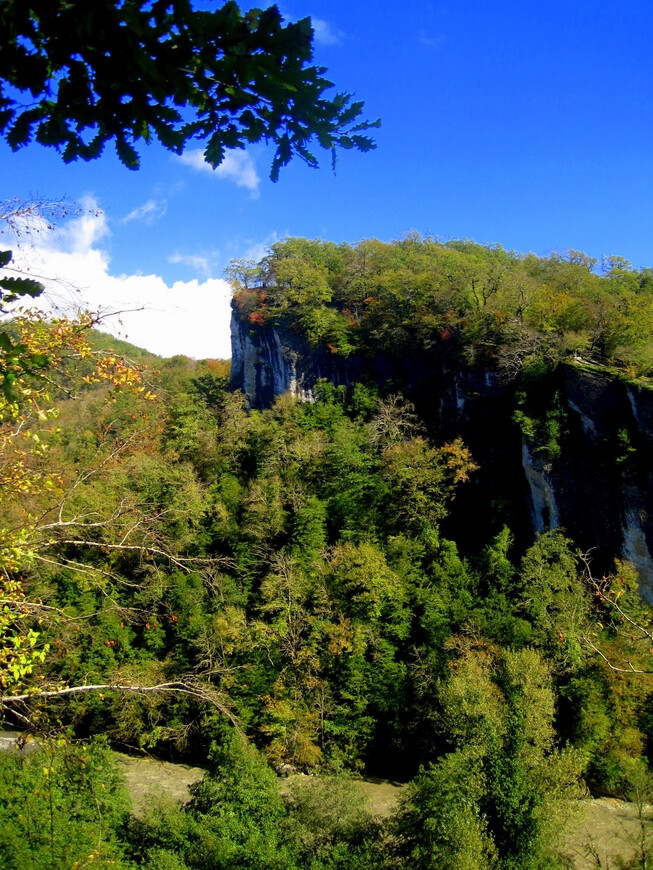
[(598, 489), (543, 507), (266, 362), (263, 366)]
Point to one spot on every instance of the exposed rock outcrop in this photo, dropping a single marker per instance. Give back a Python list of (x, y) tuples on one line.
[(265, 363), (543, 507), (597, 486)]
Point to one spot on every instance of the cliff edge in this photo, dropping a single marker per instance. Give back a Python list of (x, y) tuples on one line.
[(573, 453)]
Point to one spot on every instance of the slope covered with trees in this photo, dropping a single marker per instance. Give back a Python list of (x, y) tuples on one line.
[(273, 589), (542, 365)]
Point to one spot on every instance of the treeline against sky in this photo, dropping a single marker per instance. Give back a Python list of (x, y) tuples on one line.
[(492, 306)]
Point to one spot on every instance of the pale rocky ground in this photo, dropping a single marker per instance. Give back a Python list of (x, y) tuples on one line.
[(611, 829), (609, 826), (148, 778), (601, 831)]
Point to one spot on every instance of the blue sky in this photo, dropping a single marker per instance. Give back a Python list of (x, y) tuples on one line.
[(524, 124)]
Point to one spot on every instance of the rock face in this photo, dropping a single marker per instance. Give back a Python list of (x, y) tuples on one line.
[(266, 363), (543, 508), (597, 485), (262, 367)]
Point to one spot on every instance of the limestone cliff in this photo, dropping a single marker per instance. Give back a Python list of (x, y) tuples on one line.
[(265, 363), (592, 475)]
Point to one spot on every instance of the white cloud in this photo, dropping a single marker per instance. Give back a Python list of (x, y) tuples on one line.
[(84, 231), (194, 261), (189, 317), (325, 34), (149, 212), (237, 166)]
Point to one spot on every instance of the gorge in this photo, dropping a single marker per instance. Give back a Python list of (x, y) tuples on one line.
[(595, 482)]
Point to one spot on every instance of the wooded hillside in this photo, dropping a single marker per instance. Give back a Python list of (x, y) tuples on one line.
[(505, 309), (180, 573)]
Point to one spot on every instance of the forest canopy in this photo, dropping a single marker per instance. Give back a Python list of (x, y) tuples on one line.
[(274, 591), (421, 295)]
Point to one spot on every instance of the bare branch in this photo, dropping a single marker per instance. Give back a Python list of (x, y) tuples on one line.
[(631, 669), (620, 617), (200, 691)]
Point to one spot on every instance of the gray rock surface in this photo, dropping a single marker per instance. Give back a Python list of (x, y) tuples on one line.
[(598, 490)]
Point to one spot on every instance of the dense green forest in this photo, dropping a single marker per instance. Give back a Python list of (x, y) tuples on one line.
[(493, 306), (267, 591)]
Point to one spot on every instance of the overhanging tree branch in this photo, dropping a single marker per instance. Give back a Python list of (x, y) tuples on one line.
[(626, 615), (75, 76), (199, 691)]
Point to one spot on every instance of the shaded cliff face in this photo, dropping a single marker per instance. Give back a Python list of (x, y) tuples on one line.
[(603, 478), (266, 363), (582, 461), (261, 367)]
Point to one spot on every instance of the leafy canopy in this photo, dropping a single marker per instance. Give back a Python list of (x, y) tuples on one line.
[(76, 75), (515, 314)]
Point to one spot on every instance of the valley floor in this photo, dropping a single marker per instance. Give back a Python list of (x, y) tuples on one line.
[(605, 828)]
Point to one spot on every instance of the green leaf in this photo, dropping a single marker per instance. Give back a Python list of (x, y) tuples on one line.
[(22, 287), (127, 153), (21, 131), (7, 389), (39, 360), (214, 151)]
